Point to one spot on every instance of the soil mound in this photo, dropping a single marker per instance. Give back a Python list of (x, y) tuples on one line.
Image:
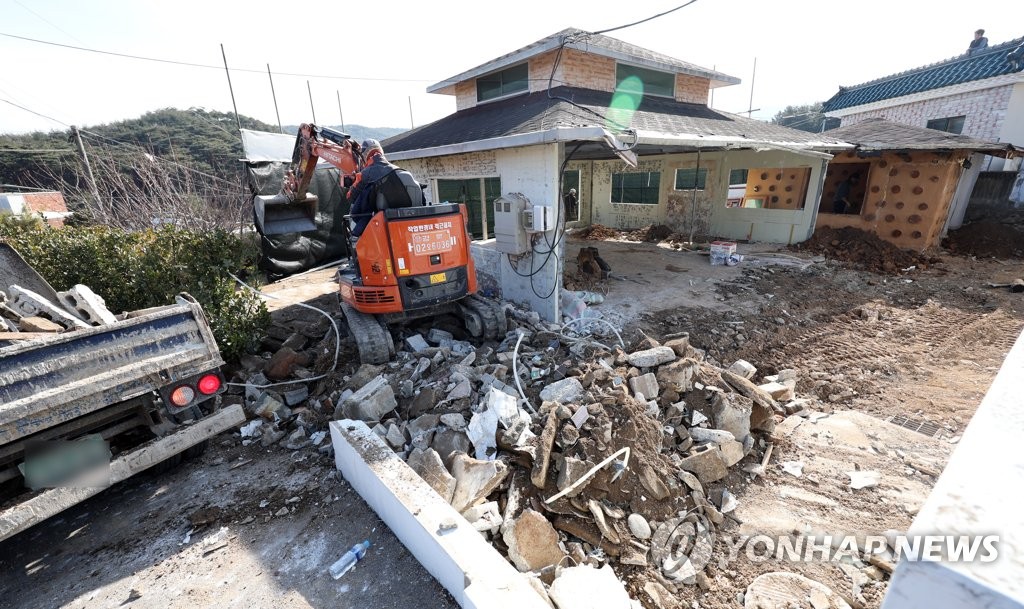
[(862, 249), (987, 240)]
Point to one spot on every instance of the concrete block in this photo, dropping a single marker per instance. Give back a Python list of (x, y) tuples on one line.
[(743, 368), (584, 587), (27, 304), (706, 462), (85, 303), (372, 401), (427, 463), (778, 391), (416, 343), (651, 357), (679, 375), (38, 324), (472, 571), (475, 479), (731, 412), (532, 542), (646, 384)]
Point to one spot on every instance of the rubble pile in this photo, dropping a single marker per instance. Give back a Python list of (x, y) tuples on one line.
[(653, 233), (863, 249), (598, 232), (987, 239), (603, 457)]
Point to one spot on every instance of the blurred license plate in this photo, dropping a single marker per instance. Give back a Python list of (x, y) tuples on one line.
[(437, 278)]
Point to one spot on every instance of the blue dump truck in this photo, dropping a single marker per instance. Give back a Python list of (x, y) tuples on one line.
[(132, 392)]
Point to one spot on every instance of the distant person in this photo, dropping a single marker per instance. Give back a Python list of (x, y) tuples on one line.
[(979, 43), (841, 201), (572, 209), (1016, 58)]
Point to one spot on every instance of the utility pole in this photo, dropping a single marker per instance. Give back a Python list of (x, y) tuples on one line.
[(88, 168), (340, 113), (276, 111), (412, 125), (750, 108), (238, 121)]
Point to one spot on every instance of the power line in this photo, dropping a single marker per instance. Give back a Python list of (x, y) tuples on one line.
[(34, 112), (52, 24), (622, 27), (207, 66), (92, 135)]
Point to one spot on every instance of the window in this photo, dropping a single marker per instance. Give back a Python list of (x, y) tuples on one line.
[(691, 179), (950, 124), (467, 192), (641, 187), (738, 176), (768, 187), (506, 82), (642, 80), (846, 189)]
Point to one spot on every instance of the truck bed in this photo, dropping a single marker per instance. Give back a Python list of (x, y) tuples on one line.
[(48, 381)]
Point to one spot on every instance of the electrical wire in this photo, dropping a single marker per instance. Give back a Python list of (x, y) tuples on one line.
[(30, 111), (334, 324), (652, 17)]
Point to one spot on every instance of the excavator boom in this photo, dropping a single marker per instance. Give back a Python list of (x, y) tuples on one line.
[(293, 210)]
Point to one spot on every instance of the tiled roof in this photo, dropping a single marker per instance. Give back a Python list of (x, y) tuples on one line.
[(538, 112), (961, 69), (590, 43), (875, 134)]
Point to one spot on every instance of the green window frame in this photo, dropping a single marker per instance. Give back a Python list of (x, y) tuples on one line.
[(643, 187), (506, 82), (691, 179), (738, 176), (655, 82), (467, 192)]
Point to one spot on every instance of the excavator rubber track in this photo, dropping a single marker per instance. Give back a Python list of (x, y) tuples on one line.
[(493, 323), (374, 341)]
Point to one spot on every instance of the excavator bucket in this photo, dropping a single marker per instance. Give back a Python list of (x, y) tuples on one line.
[(277, 214)]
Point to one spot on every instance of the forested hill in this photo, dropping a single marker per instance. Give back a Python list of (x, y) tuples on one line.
[(206, 141)]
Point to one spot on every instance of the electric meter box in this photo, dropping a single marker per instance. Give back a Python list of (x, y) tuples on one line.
[(509, 234), (539, 219)]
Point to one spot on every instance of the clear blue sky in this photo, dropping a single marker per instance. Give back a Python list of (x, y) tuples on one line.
[(805, 49)]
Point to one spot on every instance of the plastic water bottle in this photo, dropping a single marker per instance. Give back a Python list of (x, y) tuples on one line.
[(349, 560)]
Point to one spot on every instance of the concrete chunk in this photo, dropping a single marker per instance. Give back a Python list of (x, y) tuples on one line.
[(565, 391), (427, 463), (539, 475), (38, 324), (416, 343), (85, 303), (706, 462), (778, 391), (731, 412), (647, 384), (680, 345), (28, 304), (651, 357), (474, 479), (743, 368), (532, 542), (484, 517), (584, 587), (372, 401), (679, 375), (571, 471)]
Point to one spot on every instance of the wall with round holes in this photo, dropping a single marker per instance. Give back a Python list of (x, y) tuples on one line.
[(906, 197), (778, 187)]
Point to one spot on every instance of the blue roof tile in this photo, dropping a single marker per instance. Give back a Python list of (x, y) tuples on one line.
[(963, 68)]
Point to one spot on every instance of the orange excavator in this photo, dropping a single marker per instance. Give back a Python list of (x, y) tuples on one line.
[(411, 261)]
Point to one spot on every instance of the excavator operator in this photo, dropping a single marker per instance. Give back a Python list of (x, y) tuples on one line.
[(363, 190)]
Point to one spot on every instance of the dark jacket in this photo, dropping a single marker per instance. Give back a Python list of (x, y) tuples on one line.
[(363, 192)]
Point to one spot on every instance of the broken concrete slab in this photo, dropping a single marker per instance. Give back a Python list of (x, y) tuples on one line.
[(421, 430), (778, 391), (454, 420), (706, 462), (371, 402), (649, 358), (284, 361), (532, 542), (448, 443), (29, 304), (731, 412), (646, 384), (732, 452), (427, 463), (752, 391), (584, 587), (716, 436), (571, 470), (607, 530), (417, 343), (395, 437), (461, 560), (565, 391), (679, 375), (474, 479), (681, 346)]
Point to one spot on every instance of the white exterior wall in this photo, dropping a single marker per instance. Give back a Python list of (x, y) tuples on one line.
[(1013, 126), (530, 170), (710, 216)]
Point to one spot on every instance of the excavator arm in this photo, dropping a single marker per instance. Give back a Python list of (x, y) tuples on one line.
[(293, 210)]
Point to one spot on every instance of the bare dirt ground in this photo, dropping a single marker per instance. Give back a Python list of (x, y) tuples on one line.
[(923, 344)]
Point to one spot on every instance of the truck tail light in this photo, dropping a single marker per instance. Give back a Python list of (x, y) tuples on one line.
[(183, 396), (209, 384)]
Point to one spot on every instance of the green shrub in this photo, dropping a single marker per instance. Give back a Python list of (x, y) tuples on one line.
[(136, 270)]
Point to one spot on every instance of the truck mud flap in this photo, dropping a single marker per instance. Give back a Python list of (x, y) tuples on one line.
[(47, 503)]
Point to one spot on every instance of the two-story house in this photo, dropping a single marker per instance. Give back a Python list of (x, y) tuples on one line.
[(562, 113)]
